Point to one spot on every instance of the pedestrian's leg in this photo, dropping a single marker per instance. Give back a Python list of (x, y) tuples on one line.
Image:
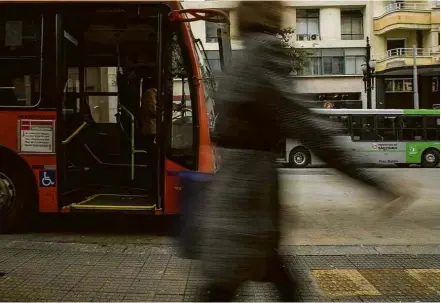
[(285, 283), (217, 292)]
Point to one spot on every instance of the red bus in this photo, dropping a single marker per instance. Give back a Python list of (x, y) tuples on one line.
[(72, 80)]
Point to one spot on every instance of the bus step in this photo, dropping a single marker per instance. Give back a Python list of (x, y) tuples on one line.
[(115, 202)]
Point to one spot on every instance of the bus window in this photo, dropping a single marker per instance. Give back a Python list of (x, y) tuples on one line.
[(432, 128), (412, 128), (363, 128), (102, 80), (181, 146), (387, 128), (20, 58)]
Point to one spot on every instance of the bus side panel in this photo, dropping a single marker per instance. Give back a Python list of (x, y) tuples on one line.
[(39, 163), (172, 187)]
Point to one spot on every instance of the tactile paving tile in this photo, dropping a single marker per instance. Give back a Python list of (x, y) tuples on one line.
[(428, 277), (398, 282), (343, 283), (144, 285), (171, 287), (79, 296), (119, 285)]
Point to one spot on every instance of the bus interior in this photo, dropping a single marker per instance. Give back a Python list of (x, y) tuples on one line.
[(111, 56)]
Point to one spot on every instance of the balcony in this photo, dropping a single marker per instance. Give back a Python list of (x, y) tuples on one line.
[(402, 57), (403, 15)]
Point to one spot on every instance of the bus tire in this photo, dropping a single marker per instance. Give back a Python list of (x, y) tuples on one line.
[(18, 193), (430, 158), (299, 157)]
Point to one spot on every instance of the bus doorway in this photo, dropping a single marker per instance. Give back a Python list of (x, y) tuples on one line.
[(110, 64)]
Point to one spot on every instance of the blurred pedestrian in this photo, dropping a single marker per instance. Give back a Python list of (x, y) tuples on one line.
[(240, 210)]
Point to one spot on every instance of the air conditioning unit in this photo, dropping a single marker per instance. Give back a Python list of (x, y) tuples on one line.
[(315, 37)]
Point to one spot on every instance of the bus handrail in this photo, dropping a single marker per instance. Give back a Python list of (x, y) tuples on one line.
[(75, 133), (132, 141)]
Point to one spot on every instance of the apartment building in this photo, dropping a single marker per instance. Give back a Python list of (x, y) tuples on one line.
[(332, 31), (398, 26)]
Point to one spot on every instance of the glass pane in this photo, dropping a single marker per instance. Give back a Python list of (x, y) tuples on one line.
[(345, 25), (316, 64), (432, 122), (100, 79), (301, 27), (337, 65), (357, 26), (407, 86), (387, 122), (358, 62), (365, 122), (312, 13), (412, 122), (398, 86), (313, 26), (350, 66), (327, 65), (20, 51), (103, 108), (211, 32), (300, 13), (389, 85)]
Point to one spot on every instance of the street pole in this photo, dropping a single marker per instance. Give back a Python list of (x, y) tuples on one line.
[(416, 98), (368, 75)]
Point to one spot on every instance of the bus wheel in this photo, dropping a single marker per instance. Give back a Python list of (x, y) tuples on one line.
[(299, 157), (17, 195), (430, 158)]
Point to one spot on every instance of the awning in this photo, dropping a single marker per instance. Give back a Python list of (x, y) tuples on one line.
[(426, 70)]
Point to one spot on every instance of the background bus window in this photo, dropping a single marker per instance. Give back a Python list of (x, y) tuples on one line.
[(363, 128), (412, 129), (432, 128), (387, 128), (20, 59)]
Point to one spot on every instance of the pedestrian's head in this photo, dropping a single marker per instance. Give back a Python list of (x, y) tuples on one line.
[(260, 16)]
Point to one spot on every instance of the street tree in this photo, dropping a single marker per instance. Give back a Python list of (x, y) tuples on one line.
[(300, 58)]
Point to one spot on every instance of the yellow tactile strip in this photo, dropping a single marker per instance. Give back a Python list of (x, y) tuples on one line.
[(377, 282)]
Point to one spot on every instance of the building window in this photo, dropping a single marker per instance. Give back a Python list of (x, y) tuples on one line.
[(352, 25), (403, 85), (335, 61), (308, 25), (214, 60), (211, 31)]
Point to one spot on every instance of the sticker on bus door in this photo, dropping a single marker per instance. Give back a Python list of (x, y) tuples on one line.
[(37, 136)]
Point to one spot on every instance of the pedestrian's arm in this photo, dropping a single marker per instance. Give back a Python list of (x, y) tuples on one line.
[(299, 123)]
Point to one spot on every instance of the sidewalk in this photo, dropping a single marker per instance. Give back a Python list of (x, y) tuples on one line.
[(55, 271)]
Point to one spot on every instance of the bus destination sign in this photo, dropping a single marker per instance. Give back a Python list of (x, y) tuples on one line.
[(37, 136)]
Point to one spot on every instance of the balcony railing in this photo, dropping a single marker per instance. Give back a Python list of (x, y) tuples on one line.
[(403, 6), (404, 52)]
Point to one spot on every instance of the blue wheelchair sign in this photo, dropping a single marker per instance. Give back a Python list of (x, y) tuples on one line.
[(47, 178)]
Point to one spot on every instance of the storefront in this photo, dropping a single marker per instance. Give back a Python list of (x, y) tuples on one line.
[(395, 87)]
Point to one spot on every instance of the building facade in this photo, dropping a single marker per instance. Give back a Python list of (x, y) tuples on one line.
[(334, 34), (399, 26)]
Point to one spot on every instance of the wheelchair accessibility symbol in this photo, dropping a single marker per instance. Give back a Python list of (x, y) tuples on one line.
[(47, 178)]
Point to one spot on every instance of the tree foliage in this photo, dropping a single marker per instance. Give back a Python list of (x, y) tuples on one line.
[(300, 58)]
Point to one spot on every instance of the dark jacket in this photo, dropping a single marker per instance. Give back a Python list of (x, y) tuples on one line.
[(256, 107)]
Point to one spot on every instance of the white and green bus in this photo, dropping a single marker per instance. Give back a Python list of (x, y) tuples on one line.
[(379, 136)]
